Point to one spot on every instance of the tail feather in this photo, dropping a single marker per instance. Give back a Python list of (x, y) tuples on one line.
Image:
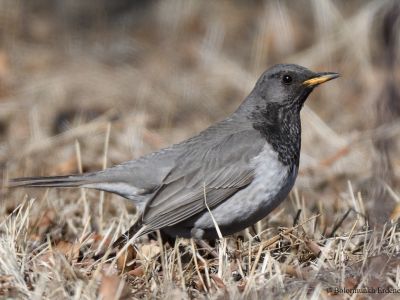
[(136, 229), (94, 180), (89, 180), (51, 181)]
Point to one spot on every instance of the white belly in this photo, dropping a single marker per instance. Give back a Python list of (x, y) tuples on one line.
[(271, 184)]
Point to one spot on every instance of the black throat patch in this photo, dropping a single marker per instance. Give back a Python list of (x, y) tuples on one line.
[(281, 127)]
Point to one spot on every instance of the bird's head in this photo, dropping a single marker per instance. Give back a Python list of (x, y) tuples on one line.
[(288, 85)]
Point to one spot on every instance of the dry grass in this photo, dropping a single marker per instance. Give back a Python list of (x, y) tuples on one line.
[(85, 85)]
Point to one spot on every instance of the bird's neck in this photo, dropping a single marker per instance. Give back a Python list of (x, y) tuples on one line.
[(281, 127)]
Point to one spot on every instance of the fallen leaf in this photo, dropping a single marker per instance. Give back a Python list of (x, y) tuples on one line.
[(218, 281), (313, 246), (137, 272), (292, 271), (149, 251), (111, 287), (69, 250), (124, 262)]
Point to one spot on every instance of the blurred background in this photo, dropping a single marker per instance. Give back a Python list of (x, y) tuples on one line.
[(81, 81)]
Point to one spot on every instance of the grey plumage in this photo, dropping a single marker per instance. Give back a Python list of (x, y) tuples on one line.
[(243, 166)]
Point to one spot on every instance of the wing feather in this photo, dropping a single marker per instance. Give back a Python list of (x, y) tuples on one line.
[(218, 172)]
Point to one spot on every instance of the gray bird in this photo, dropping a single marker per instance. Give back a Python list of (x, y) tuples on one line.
[(240, 168)]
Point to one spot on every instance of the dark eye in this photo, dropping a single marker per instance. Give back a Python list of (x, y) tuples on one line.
[(287, 79)]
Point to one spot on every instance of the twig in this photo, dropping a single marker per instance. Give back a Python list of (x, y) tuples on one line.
[(337, 225)]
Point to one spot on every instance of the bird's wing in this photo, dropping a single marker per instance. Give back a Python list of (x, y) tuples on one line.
[(211, 174)]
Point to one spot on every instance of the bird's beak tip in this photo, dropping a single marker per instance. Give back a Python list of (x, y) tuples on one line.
[(320, 78)]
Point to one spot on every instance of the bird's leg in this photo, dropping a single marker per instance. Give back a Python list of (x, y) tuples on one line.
[(197, 234), (204, 245), (255, 236)]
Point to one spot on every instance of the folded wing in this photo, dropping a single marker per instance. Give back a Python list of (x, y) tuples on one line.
[(210, 174)]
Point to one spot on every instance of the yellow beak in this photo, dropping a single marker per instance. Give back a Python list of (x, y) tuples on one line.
[(320, 78)]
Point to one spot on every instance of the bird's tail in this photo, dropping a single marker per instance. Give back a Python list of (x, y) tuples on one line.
[(107, 180), (135, 230), (52, 181)]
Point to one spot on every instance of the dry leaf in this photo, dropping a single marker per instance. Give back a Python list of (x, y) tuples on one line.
[(313, 246), (137, 272), (218, 281), (70, 250), (149, 251), (124, 262), (292, 271), (110, 287)]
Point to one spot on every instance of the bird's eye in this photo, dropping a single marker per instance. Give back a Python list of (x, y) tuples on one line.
[(287, 79)]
